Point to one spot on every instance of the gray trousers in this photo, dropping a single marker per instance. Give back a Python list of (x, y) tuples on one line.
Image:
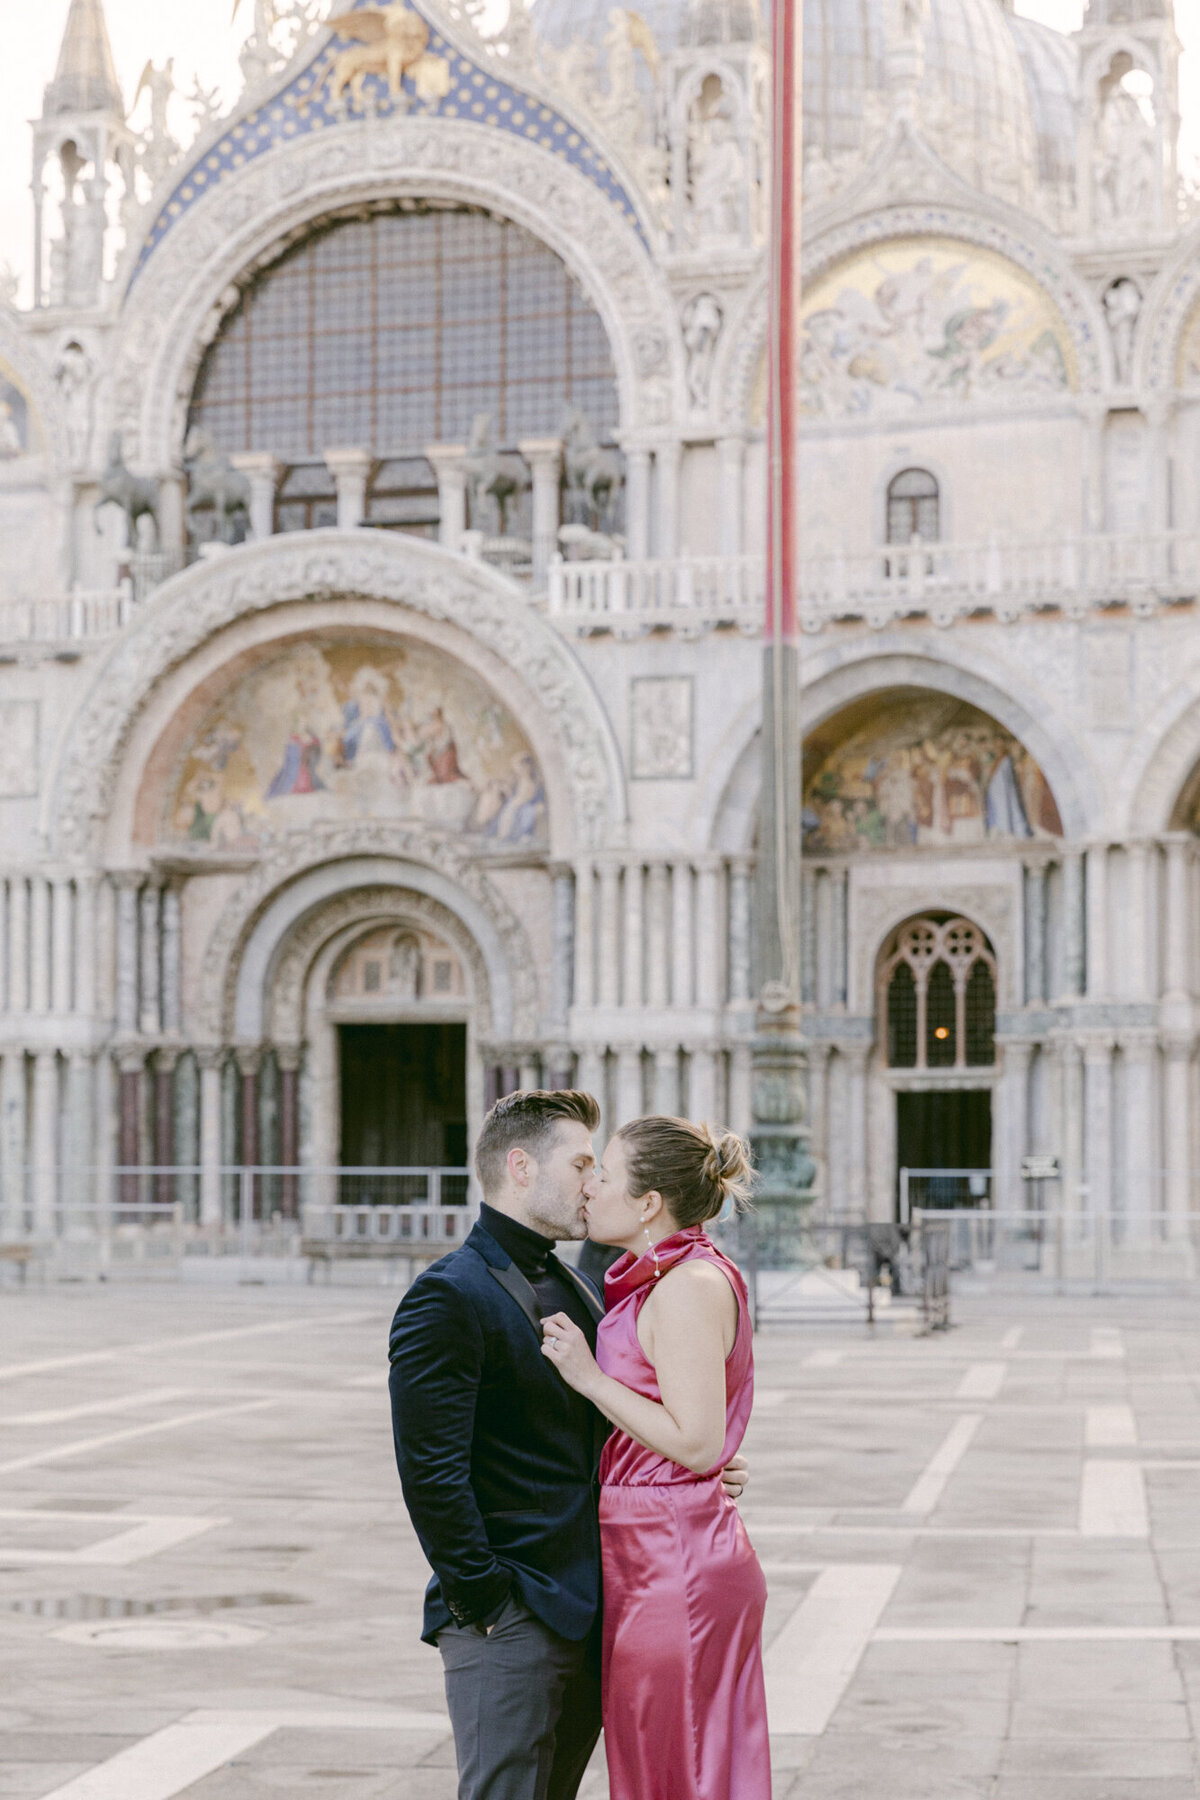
[(524, 1704)]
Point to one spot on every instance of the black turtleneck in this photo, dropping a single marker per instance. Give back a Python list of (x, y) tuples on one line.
[(534, 1255)]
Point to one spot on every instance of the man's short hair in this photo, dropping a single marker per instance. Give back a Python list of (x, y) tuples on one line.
[(527, 1120)]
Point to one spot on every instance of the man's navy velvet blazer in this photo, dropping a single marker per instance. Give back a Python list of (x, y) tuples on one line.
[(498, 1484)]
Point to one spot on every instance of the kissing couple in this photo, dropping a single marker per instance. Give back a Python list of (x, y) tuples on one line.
[(544, 1435)]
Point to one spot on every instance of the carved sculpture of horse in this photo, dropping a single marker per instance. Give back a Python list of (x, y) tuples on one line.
[(493, 474), (136, 495), (214, 485), (593, 472)]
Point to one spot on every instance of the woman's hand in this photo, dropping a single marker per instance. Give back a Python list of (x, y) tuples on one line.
[(566, 1347), (735, 1475)]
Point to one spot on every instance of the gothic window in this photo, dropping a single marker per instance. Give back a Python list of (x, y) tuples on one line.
[(938, 989), (913, 507), (394, 331)]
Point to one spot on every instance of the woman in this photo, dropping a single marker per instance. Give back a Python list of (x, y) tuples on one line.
[(684, 1707)]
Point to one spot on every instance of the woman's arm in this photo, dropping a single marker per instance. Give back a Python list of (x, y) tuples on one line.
[(694, 1307)]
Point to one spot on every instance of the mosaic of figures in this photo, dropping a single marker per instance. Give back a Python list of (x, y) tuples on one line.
[(398, 965), (16, 425), (925, 771), (928, 322), (358, 730)]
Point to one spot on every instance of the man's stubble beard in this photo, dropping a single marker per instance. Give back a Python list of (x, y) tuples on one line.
[(555, 1214)]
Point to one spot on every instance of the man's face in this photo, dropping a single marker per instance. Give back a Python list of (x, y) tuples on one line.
[(561, 1184)]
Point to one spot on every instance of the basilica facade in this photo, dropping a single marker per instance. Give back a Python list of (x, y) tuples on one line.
[(382, 488)]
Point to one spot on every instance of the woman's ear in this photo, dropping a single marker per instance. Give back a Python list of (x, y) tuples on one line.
[(651, 1206)]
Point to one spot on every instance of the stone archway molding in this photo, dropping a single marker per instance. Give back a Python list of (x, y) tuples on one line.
[(834, 678), (1160, 763), (314, 868), (347, 915), (410, 573), (175, 306)]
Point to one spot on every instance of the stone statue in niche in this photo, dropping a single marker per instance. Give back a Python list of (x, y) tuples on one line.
[(404, 967), (716, 164), (1122, 304), (1126, 150), (73, 377), (702, 320)]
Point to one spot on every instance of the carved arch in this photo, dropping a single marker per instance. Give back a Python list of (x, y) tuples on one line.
[(175, 306)]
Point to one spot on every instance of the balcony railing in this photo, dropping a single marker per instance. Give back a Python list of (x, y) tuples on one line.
[(690, 594), (939, 581)]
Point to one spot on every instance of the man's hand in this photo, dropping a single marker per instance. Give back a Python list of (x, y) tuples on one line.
[(735, 1475)]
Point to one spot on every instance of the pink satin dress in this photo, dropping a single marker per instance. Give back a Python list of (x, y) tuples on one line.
[(685, 1715)]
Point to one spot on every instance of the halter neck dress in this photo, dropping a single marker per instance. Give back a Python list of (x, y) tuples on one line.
[(685, 1713)]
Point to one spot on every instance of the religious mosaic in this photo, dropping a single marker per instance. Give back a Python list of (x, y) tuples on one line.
[(342, 730), (928, 322), (17, 435), (924, 771)]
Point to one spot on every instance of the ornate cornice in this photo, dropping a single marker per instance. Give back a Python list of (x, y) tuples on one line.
[(419, 577)]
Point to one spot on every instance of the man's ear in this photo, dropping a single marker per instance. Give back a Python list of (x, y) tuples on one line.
[(520, 1166)]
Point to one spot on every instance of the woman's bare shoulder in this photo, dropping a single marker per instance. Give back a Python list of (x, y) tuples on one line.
[(697, 1280)]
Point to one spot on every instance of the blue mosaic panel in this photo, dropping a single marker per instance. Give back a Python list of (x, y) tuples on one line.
[(305, 106)]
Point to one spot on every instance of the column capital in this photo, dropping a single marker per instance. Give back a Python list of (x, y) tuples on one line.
[(258, 465), (348, 460), (544, 452), (249, 1058), (447, 459), (1178, 1046), (209, 1056), (1097, 1047), (130, 1059)]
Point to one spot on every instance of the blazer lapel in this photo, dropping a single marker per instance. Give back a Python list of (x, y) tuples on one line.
[(514, 1283), (586, 1291)]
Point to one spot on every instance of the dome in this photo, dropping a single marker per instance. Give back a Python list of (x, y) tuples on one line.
[(997, 95)]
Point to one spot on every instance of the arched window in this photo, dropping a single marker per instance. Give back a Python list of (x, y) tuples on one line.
[(913, 507), (395, 331), (938, 986)]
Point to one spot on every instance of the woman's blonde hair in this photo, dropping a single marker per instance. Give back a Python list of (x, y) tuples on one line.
[(695, 1169)]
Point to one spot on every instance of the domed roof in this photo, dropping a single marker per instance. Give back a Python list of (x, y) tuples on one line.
[(997, 88)]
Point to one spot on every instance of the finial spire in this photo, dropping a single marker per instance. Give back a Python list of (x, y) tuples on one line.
[(85, 80)]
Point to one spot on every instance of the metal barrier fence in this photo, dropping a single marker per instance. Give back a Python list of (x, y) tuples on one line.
[(800, 1271), (1069, 1252)]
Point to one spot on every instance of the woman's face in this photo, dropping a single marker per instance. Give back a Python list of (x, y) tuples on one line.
[(614, 1216)]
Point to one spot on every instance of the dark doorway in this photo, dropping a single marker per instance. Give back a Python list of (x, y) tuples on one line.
[(944, 1129), (404, 1096)]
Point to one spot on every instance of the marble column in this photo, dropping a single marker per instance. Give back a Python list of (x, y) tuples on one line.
[(129, 1125), (610, 933), (591, 1078), (818, 1110), (172, 1002), (62, 953), (668, 460), (263, 471), (1069, 1056), (666, 1080), (562, 947), (448, 465), (658, 955), (288, 1059), (1074, 956), (1097, 922), (585, 934), (740, 1109), (80, 1160), (683, 956), (351, 471), (1136, 933), (1011, 1136), (210, 1061), (1142, 1161), (172, 510), (1177, 1108), (18, 944), (1158, 410), (150, 962), (544, 456), (637, 504), (808, 936), (731, 457), (44, 1143), (164, 1123), (1098, 1114), (127, 953), (702, 1086), (739, 930), (530, 1072), (249, 1062), (839, 881), (627, 1099), (39, 944), (1177, 961), (1036, 990), (710, 969), (633, 946), (14, 1155), (87, 930), (857, 1057)]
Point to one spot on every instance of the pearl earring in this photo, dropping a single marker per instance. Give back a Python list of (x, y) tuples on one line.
[(652, 1249)]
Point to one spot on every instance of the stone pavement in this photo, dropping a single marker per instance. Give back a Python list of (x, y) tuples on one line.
[(983, 1553)]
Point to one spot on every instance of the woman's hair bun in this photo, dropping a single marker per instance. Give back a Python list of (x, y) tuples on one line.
[(727, 1164)]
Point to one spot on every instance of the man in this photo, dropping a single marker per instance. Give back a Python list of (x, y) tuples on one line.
[(498, 1457)]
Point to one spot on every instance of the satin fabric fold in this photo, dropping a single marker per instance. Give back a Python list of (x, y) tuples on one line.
[(684, 1703)]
